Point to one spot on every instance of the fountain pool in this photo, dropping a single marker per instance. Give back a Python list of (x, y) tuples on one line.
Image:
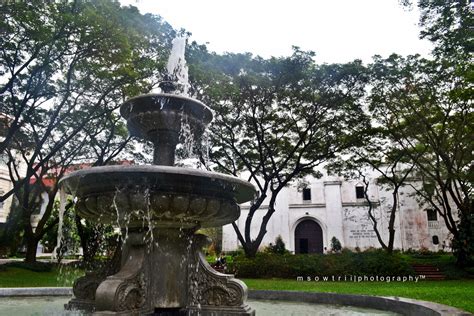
[(53, 306)]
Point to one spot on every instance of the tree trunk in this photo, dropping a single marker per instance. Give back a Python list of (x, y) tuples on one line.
[(31, 247), (463, 241), (391, 222), (250, 249)]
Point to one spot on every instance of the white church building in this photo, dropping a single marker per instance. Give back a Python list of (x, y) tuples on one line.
[(328, 207)]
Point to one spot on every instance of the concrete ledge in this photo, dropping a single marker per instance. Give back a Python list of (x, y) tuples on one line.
[(35, 291), (393, 304), (399, 305)]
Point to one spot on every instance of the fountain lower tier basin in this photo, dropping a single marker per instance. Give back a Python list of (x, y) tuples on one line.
[(29, 301), (158, 196)]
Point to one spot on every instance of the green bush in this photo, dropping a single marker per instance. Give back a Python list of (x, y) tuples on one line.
[(36, 266), (278, 248), (347, 263), (445, 262), (11, 232), (239, 252), (335, 244)]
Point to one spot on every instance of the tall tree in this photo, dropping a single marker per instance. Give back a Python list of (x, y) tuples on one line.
[(65, 68), (424, 105), (448, 25), (378, 156), (276, 120), (427, 104)]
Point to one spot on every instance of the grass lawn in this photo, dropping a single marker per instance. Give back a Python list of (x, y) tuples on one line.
[(18, 277), (457, 293)]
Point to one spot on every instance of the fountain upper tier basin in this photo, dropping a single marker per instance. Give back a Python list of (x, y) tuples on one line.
[(149, 114), (160, 196)]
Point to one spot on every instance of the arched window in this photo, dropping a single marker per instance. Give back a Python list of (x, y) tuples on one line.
[(435, 240)]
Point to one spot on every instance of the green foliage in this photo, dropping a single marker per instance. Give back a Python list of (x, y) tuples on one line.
[(278, 248), (215, 235), (235, 253), (11, 235), (370, 263), (427, 105), (35, 266), (70, 239), (95, 239), (448, 25), (335, 244), (424, 106), (65, 68), (445, 262), (463, 246), (276, 119)]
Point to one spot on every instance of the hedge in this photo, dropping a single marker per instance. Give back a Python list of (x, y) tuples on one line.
[(373, 263)]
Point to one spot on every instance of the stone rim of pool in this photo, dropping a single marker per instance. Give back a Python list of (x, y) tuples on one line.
[(400, 305)]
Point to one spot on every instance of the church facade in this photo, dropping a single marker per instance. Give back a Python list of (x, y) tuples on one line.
[(308, 218)]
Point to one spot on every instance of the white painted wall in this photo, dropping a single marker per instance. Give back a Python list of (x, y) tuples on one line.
[(335, 207)]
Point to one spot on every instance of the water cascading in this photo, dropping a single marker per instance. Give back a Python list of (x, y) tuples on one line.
[(160, 269)]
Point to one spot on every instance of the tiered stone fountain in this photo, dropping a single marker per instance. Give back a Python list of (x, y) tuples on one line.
[(159, 209)]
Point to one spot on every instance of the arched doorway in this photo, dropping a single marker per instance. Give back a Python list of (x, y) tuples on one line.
[(308, 237)]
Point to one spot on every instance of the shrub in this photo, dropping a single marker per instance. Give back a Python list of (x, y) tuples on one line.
[(278, 248), (11, 232), (335, 244), (239, 252), (373, 263), (35, 266)]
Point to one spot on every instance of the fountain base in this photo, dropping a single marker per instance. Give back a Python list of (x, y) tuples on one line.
[(162, 272)]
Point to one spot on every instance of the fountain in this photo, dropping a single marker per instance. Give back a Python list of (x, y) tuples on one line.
[(160, 269)]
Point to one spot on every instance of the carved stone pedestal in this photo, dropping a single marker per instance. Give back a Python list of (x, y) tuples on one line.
[(163, 271), (211, 293)]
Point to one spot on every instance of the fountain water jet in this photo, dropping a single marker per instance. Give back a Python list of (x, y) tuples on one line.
[(166, 273)]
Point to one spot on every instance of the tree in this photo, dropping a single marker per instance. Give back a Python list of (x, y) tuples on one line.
[(66, 68), (380, 153), (276, 120), (439, 94), (423, 105), (448, 25)]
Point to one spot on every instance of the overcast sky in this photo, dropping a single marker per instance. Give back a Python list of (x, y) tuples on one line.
[(337, 30)]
